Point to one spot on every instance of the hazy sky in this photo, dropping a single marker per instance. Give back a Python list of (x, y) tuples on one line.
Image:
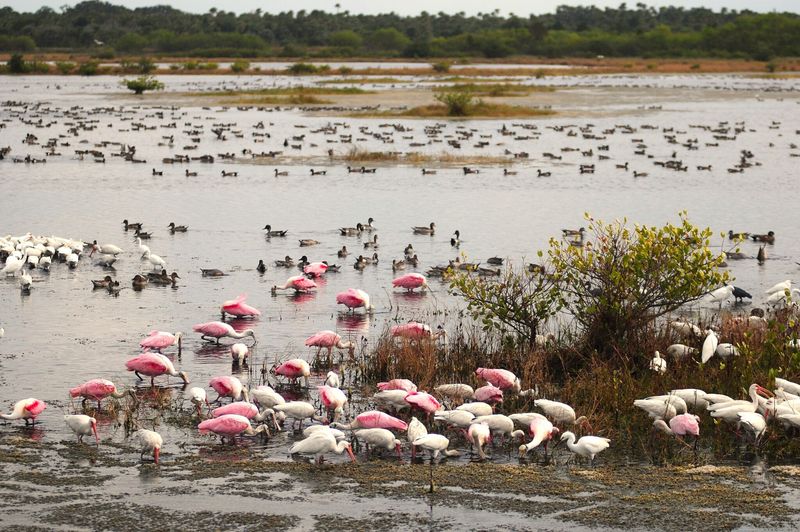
[(520, 7)]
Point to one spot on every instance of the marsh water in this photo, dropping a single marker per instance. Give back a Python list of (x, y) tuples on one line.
[(64, 333)]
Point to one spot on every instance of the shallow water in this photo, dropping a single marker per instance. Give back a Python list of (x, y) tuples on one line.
[(63, 333)]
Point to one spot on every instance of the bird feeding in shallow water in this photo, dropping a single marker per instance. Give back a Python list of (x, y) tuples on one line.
[(587, 446), (82, 425)]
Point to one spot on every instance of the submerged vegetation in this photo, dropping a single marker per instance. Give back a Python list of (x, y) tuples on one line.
[(108, 29)]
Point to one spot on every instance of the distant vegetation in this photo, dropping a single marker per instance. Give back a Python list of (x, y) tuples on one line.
[(108, 30)]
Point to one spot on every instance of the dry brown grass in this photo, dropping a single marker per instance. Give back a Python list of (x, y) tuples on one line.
[(479, 110), (360, 155), (493, 89)]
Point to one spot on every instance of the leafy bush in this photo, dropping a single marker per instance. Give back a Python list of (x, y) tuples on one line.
[(143, 83), (306, 68), (441, 67), (240, 66), (89, 68), (146, 65), (618, 283), (16, 64), (457, 103), (65, 67)]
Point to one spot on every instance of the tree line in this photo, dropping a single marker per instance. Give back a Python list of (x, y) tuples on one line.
[(570, 31)]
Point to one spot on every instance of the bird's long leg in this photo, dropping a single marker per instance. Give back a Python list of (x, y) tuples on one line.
[(138, 376)]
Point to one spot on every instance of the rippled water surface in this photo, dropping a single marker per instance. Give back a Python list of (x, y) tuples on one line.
[(64, 333)]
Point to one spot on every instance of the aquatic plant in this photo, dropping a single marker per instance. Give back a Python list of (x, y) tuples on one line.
[(142, 83)]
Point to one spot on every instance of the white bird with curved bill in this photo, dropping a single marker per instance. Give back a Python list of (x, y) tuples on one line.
[(150, 443), (709, 346), (321, 443), (436, 444), (82, 425)]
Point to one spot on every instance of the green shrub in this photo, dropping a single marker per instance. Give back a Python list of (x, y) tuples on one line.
[(65, 67), (142, 83), (441, 67), (89, 68), (457, 103), (146, 65), (240, 66), (16, 64), (299, 69)]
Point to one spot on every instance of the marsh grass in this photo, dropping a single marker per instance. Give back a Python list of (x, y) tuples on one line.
[(493, 89), (480, 109), (359, 155), (604, 389)]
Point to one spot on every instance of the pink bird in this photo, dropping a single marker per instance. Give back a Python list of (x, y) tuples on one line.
[(416, 331), (294, 369), (27, 409), (502, 378), (316, 269), (374, 419), (488, 394), (239, 309), (227, 386), (96, 390), (410, 281), (328, 340), (682, 425), (354, 298), (423, 401), (398, 384), (230, 425), (213, 331), (541, 431), (298, 283), (333, 399), (158, 340), (154, 365)]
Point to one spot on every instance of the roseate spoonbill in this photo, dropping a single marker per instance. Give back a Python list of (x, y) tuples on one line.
[(477, 408), (479, 435), (298, 283), (158, 340), (502, 378), (398, 384), (560, 413), (96, 390), (238, 308), (423, 401), (293, 369), (587, 446), (332, 379), (150, 442), (681, 425), (415, 430), (328, 340), (374, 419), (709, 346), (239, 353), (488, 394), (230, 426), (333, 399), (424, 230), (297, 410), (435, 443), (82, 425), (154, 365), (214, 331), (227, 386), (354, 298), (410, 281), (266, 397), (248, 410), (395, 399), (321, 443), (457, 418), (542, 431), (197, 396), (416, 331), (27, 409), (316, 269), (381, 438), (456, 391)]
